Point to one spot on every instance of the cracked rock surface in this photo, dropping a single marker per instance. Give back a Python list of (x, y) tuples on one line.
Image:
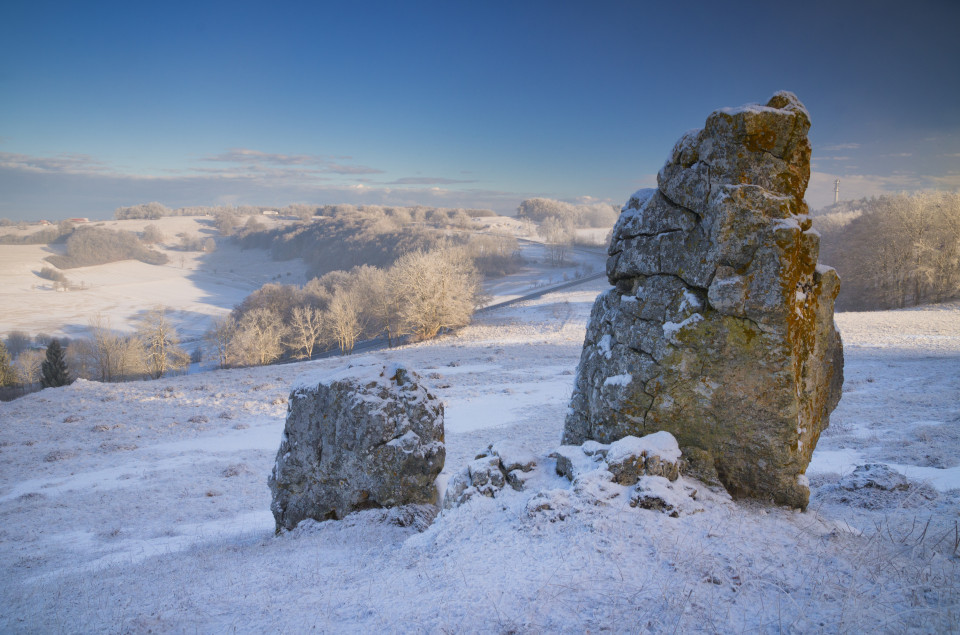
[(364, 437), (719, 327)]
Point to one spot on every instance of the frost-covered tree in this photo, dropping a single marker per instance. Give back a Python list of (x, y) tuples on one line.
[(894, 251), (220, 336), (27, 366), (152, 235), (380, 302), (53, 370), (17, 342), (259, 338), (161, 344), (344, 322), (558, 234), (114, 356), (439, 291), (305, 331)]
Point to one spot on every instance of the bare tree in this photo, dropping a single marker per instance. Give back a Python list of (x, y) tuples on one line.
[(27, 366), (80, 358), (380, 302), (220, 336), (17, 342), (114, 356), (259, 337), (558, 234), (162, 352), (343, 320), (306, 328)]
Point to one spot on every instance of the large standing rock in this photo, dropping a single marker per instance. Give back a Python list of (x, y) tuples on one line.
[(367, 436), (720, 326)]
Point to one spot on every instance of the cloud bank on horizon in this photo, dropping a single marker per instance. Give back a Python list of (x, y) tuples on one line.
[(447, 104)]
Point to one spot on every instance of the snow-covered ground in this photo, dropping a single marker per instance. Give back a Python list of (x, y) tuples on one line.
[(195, 286), (144, 507)]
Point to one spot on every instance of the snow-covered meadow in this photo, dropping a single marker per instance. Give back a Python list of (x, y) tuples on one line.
[(195, 286), (144, 507)]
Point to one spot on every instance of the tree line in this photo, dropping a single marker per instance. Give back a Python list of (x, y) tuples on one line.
[(558, 221), (88, 246), (154, 210), (421, 295), (152, 351), (894, 251), (45, 236), (347, 236), (47, 368)]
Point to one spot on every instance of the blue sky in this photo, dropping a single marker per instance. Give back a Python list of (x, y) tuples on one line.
[(477, 104)]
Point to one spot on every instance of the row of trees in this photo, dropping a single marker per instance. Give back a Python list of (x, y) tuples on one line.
[(46, 367), (894, 251), (152, 351), (42, 237), (346, 236), (422, 294), (557, 223), (155, 211), (417, 213), (592, 215)]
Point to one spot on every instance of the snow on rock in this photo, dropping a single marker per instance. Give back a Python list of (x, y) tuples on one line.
[(361, 437), (647, 466), (657, 493), (656, 454), (502, 463), (877, 476)]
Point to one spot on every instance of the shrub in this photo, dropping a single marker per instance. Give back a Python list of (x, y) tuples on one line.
[(97, 246)]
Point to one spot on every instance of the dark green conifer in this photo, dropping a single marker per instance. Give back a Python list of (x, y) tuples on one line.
[(53, 370)]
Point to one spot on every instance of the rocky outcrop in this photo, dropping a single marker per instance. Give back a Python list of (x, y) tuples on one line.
[(501, 464), (647, 469), (360, 438), (719, 328)]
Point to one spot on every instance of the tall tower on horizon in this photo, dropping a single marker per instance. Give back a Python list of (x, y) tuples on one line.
[(836, 191)]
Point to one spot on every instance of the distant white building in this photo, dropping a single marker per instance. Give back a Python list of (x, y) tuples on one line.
[(270, 212)]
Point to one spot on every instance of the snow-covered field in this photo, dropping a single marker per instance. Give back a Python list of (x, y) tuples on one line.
[(196, 286), (143, 507)]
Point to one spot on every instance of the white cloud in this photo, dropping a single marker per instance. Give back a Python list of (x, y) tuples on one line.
[(839, 146), (255, 159), (66, 163), (429, 180)]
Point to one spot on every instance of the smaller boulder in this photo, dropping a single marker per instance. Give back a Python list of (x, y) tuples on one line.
[(363, 437)]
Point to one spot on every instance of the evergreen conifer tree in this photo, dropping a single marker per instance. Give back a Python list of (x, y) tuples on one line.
[(53, 371)]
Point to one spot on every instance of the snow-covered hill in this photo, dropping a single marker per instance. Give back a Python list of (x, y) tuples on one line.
[(144, 507)]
